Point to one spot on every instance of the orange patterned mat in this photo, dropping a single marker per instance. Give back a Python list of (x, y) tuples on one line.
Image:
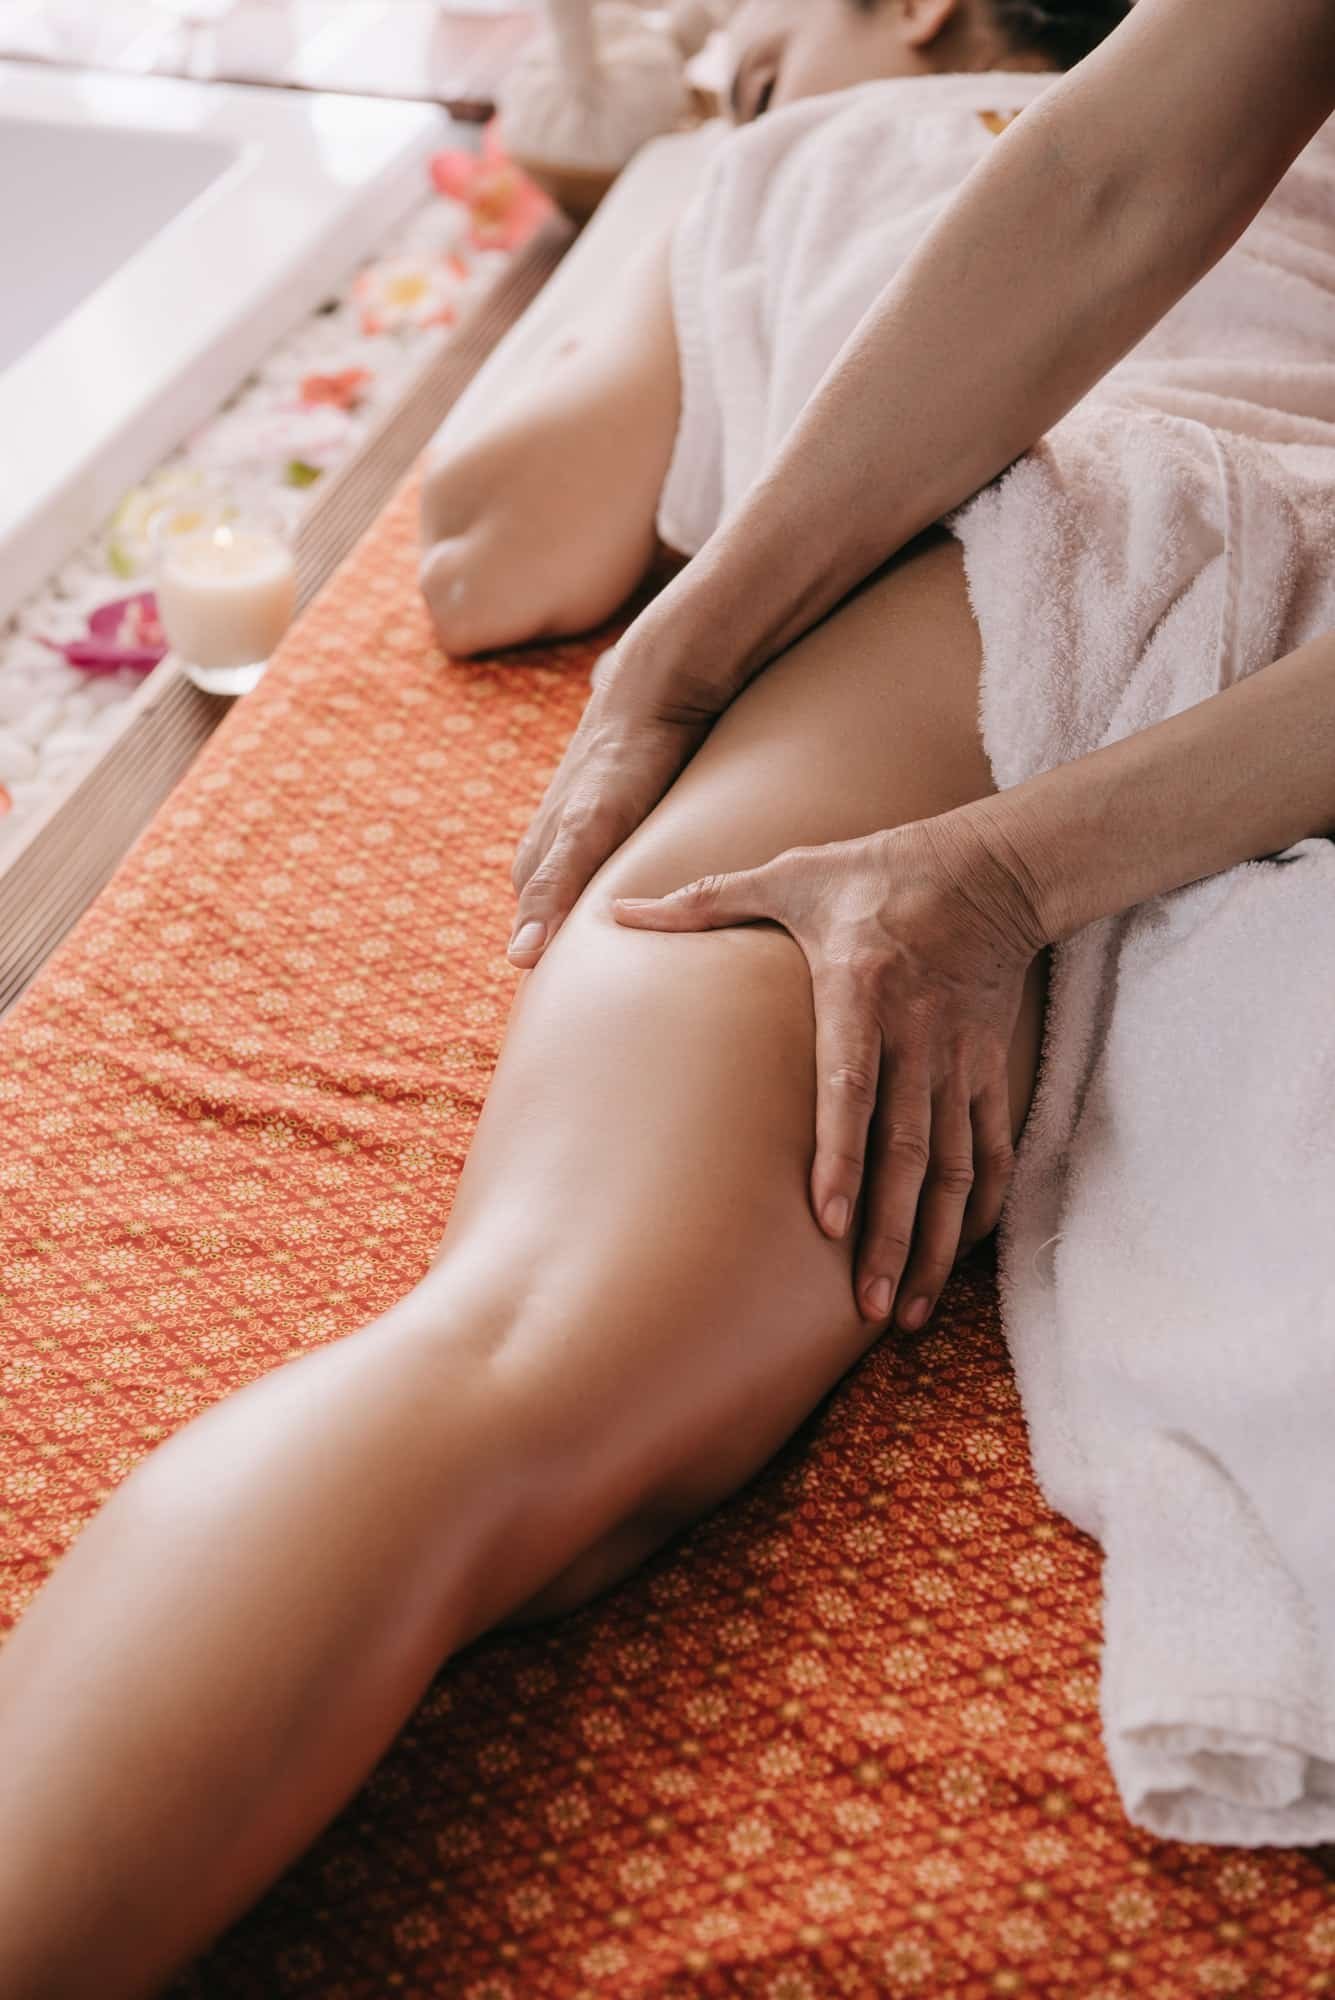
[(844, 1739)]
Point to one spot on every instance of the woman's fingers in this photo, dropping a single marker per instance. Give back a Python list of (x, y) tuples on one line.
[(912, 1024), (554, 885), (529, 851), (612, 774), (946, 1189), (899, 1155), (578, 848), (706, 905), (848, 1068), (545, 823)]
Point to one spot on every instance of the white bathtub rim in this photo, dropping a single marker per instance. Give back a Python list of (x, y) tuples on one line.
[(77, 428)]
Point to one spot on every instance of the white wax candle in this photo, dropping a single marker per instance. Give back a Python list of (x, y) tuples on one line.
[(226, 596)]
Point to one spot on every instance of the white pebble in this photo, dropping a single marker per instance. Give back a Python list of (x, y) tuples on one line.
[(63, 744), (15, 699), (109, 691), (29, 656), (18, 759), (107, 725), (78, 709), (38, 718), (40, 677), (25, 799)]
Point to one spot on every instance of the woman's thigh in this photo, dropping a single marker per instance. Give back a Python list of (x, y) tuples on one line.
[(635, 1204)]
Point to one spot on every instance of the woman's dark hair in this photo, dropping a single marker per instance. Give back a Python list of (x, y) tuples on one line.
[(1064, 33), (1061, 31)]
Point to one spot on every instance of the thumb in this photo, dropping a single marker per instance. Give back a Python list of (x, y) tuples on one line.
[(704, 905)]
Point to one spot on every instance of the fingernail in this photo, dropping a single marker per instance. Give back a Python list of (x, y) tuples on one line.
[(527, 938), (914, 1314), (632, 902), (877, 1295), (835, 1217)]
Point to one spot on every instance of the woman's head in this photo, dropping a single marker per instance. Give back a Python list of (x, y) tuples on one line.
[(786, 49)]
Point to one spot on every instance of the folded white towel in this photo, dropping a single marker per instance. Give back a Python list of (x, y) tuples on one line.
[(1168, 1263), (1168, 1259), (1169, 1276)]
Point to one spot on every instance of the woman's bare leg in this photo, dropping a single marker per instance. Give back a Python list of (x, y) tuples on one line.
[(681, 1221), (633, 1309)]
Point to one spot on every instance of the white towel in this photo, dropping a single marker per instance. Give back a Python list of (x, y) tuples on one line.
[(799, 222), (1168, 1255), (1169, 1292), (1168, 1266)]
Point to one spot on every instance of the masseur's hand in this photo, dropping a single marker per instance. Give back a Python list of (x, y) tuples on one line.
[(918, 942), (618, 764)]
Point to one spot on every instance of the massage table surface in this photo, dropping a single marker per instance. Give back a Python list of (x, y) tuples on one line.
[(841, 1739)]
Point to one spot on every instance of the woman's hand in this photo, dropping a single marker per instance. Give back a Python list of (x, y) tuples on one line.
[(918, 942), (617, 766)]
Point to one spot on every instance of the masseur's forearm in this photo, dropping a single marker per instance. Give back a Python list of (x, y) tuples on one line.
[(1098, 209), (1244, 774)]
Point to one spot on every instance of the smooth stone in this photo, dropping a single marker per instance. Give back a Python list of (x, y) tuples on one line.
[(78, 710), (39, 718), (62, 744), (18, 759)]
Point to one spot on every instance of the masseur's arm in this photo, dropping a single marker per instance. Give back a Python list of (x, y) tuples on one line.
[(1247, 773), (919, 941), (1095, 212)]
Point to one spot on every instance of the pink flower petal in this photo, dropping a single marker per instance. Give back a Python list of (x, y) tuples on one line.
[(505, 210), (343, 391), (134, 620), (98, 656), (124, 633), (504, 206), (453, 174)]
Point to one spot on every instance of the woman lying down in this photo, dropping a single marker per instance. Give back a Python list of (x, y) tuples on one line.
[(634, 1305)]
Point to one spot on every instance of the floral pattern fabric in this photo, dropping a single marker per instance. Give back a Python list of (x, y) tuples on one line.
[(841, 1740)]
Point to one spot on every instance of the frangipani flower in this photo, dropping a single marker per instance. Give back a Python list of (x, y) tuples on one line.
[(410, 291), (504, 207), (124, 633), (128, 546), (344, 391)]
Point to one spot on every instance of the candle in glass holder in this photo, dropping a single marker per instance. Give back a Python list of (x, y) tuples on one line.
[(226, 595)]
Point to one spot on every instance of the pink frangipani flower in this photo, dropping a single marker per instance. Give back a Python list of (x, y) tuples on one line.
[(124, 633), (344, 391), (504, 207), (401, 292)]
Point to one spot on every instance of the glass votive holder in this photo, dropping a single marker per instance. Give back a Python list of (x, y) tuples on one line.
[(226, 583)]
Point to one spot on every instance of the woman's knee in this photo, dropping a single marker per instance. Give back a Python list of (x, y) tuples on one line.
[(625, 1386)]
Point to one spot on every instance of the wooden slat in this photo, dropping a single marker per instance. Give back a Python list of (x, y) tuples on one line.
[(74, 846)]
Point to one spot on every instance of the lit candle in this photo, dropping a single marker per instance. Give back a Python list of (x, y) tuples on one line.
[(225, 598)]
